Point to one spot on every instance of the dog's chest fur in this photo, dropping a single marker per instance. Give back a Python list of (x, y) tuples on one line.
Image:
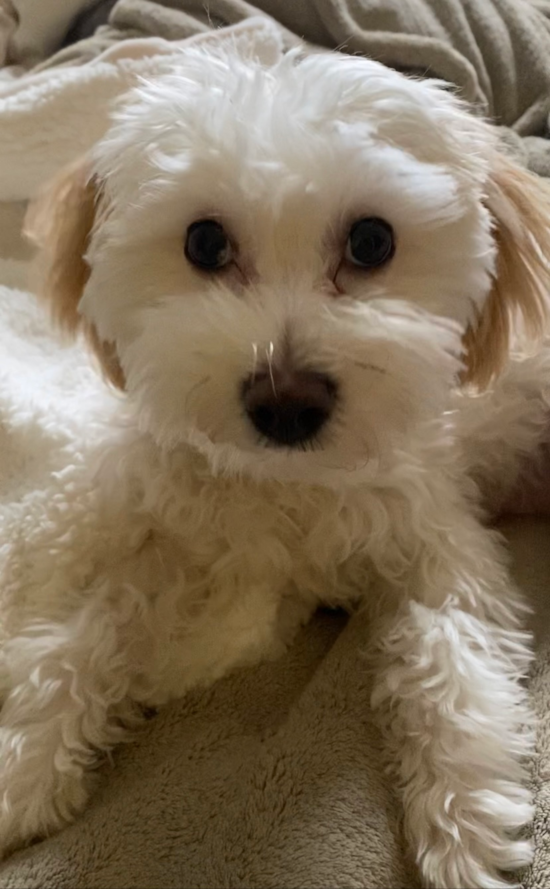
[(222, 571), (230, 569)]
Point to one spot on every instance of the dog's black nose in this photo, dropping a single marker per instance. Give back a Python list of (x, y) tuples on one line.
[(290, 408)]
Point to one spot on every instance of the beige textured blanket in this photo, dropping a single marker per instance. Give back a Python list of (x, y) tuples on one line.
[(274, 778)]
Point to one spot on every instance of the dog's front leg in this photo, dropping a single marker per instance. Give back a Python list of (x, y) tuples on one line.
[(68, 699), (451, 661)]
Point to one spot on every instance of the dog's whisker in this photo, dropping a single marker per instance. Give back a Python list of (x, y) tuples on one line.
[(365, 365), (269, 355), (254, 360)]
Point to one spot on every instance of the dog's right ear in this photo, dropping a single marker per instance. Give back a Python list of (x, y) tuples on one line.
[(60, 223), (519, 302)]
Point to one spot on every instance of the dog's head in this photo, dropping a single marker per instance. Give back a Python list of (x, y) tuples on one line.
[(290, 267)]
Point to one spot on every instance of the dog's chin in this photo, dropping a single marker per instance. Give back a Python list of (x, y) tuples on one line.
[(315, 466)]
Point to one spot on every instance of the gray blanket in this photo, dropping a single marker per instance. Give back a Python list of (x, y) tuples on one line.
[(274, 778)]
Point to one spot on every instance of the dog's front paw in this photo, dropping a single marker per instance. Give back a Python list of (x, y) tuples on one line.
[(458, 725), (39, 791), (470, 846)]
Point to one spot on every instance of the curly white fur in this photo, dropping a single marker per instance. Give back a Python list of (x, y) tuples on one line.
[(180, 546)]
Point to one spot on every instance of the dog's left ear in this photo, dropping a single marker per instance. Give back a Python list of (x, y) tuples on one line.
[(60, 223), (519, 302)]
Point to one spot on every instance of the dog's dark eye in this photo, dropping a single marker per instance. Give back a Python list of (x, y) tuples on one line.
[(207, 245), (370, 243)]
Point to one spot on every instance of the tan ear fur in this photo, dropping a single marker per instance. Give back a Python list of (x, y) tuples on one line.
[(60, 223), (519, 302)]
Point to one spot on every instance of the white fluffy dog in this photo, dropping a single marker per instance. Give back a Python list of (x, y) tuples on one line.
[(315, 284)]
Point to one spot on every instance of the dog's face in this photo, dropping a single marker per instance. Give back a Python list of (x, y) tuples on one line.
[(284, 262)]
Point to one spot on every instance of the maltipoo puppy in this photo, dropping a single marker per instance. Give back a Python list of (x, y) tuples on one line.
[(315, 286)]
